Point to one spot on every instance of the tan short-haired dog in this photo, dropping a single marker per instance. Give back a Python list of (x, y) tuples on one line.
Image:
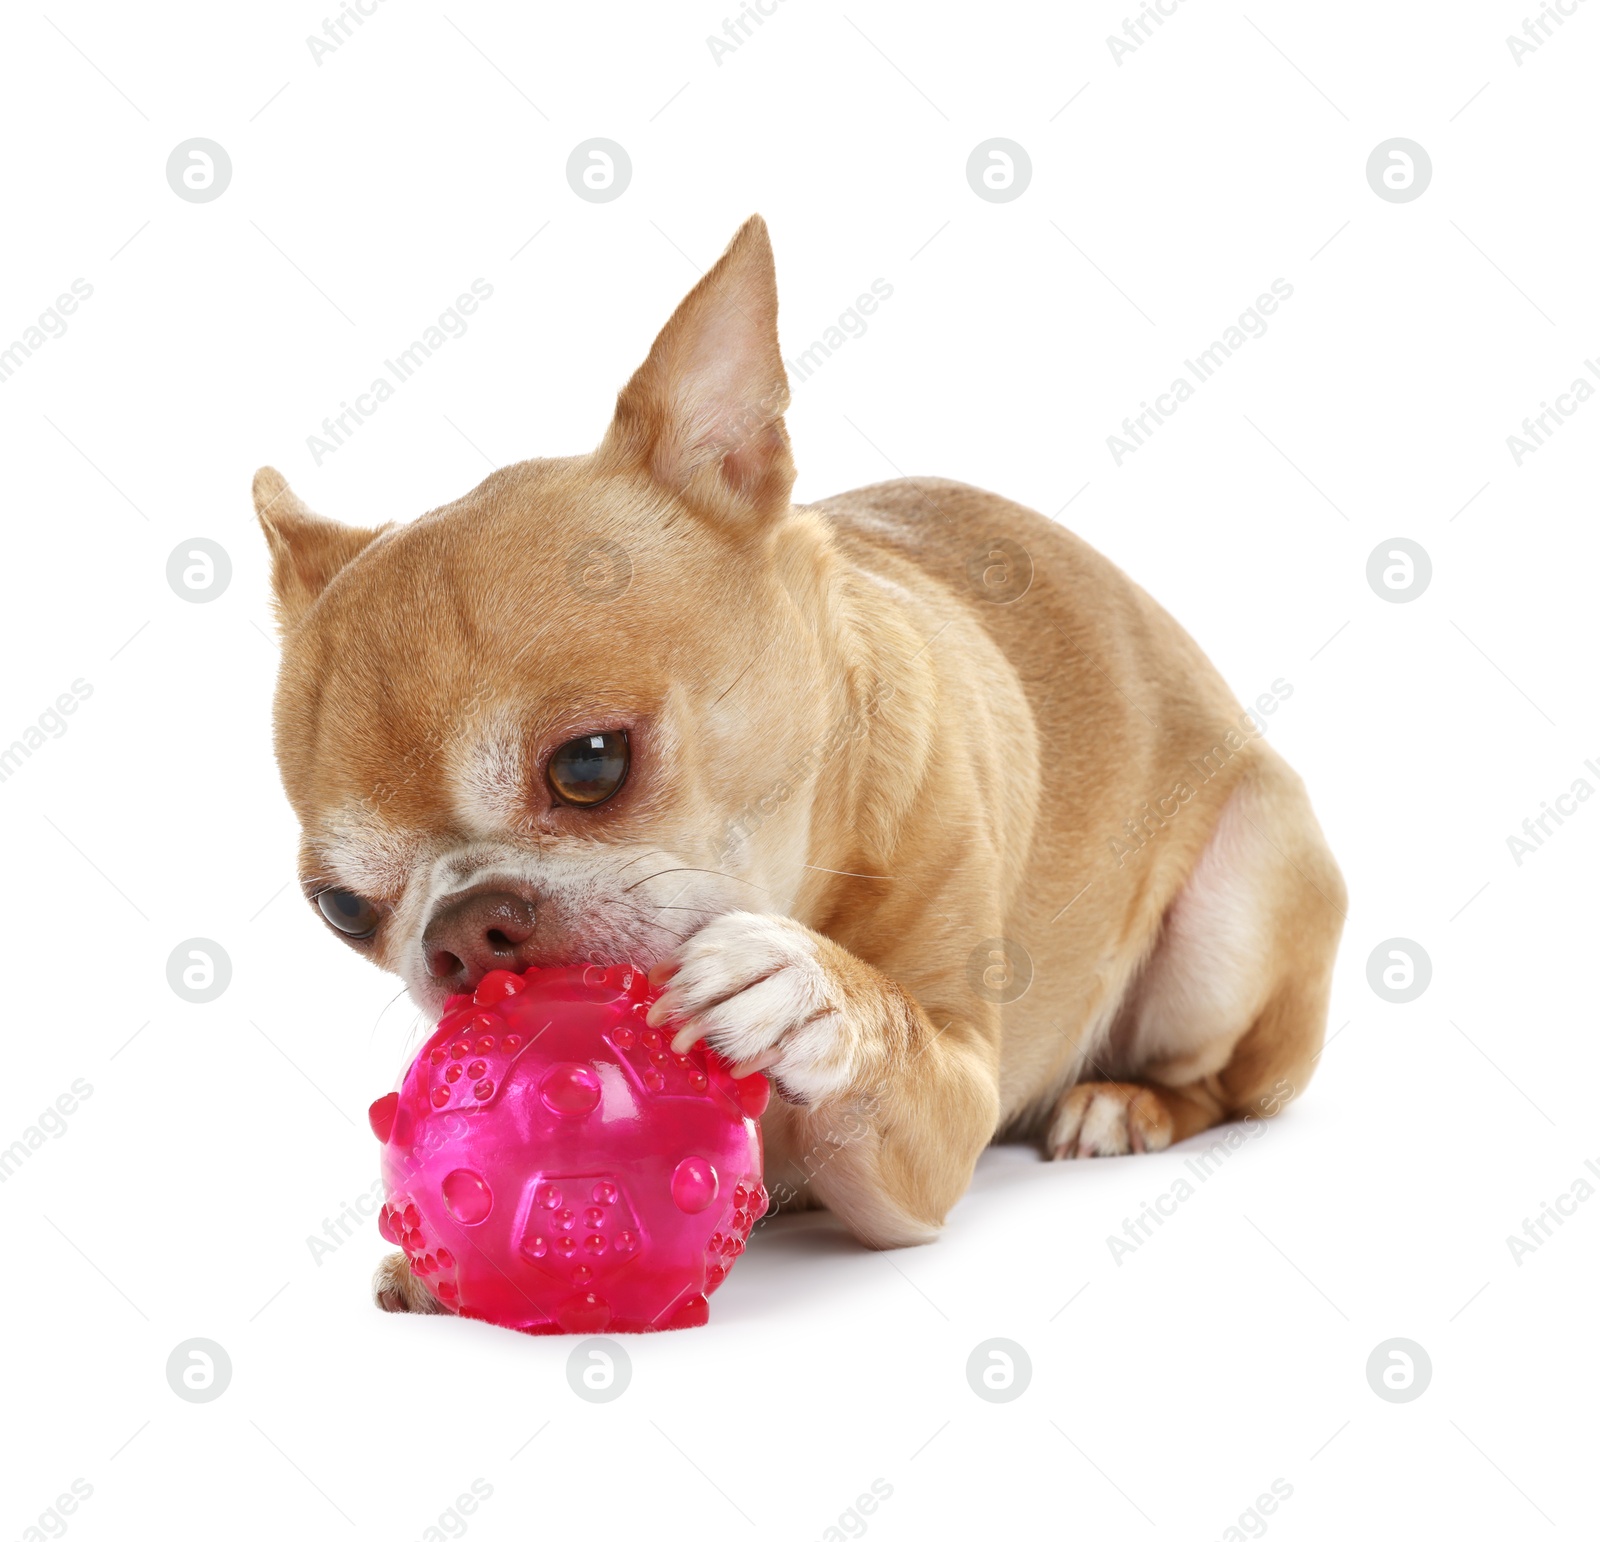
[(909, 797)]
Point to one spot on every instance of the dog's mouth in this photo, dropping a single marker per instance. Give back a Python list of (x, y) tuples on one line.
[(487, 907), (496, 925)]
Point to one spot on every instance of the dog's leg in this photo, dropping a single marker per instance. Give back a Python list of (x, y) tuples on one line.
[(886, 1114), (396, 1289), (1227, 1018)]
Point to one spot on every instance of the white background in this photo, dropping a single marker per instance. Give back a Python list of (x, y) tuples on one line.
[(428, 151)]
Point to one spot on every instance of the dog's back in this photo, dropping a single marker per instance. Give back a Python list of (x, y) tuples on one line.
[(1139, 745)]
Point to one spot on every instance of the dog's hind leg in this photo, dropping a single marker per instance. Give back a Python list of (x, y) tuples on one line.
[(1227, 1017)]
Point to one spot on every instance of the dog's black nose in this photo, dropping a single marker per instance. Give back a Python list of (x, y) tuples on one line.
[(473, 933)]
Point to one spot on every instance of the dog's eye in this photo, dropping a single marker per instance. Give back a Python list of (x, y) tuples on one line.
[(348, 913), (587, 770)]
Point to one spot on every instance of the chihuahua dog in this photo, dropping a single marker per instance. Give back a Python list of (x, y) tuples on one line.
[(907, 797)]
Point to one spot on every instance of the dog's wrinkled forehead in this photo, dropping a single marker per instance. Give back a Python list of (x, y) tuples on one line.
[(427, 675), (470, 776), (486, 771), (388, 790)]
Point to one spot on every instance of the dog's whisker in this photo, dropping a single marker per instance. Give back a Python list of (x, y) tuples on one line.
[(639, 858), (377, 1022), (650, 920), (710, 872)]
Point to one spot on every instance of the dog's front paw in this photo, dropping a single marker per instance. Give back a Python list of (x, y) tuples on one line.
[(396, 1289), (769, 994)]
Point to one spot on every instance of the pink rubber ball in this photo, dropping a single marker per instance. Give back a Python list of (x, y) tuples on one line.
[(552, 1166)]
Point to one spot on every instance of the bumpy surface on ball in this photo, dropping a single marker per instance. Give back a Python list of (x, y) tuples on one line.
[(552, 1166)]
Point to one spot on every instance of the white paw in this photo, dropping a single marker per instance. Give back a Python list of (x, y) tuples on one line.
[(396, 1289), (1109, 1119), (756, 989)]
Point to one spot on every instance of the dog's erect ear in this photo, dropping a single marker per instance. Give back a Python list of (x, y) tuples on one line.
[(703, 414), (307, 550)]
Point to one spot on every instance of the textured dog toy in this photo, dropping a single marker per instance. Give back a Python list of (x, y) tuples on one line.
[(552, 1166)]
